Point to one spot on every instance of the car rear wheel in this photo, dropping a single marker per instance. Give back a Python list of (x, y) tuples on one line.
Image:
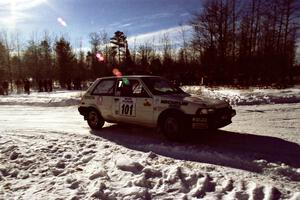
[(94, 119)]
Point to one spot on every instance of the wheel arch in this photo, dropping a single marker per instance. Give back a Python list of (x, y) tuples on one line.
[(169, 111), (85, 110)]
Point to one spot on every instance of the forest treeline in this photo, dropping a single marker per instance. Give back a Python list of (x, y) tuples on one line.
[(232, 42)]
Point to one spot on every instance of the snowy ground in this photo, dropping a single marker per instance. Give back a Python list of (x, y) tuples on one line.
[(47, 151)]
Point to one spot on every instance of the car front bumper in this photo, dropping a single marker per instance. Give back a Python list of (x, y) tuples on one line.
[(218, 119), (83, 111)]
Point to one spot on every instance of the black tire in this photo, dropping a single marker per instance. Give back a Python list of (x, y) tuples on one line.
[(94, 119), (172, 126)]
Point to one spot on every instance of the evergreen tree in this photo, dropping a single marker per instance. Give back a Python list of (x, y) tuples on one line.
[(46, 64), (32, 60), (120, 49), (64, 62)]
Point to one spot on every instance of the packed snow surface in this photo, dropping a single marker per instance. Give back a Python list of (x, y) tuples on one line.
[(47, 151)]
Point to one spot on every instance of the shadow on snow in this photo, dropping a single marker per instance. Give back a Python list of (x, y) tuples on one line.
[(231, 149)]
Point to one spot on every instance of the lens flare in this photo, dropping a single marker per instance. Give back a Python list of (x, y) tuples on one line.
[(61, 21), (116, 72), (100, 57)]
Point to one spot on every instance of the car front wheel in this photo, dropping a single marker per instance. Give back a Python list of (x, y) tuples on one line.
[(95, 120), (172, 127)]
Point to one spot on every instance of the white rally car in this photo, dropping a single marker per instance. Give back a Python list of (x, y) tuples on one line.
[(151, 101)]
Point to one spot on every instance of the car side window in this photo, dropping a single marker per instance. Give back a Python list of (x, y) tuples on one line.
[(131, 88), (139, 91), (104, 87)]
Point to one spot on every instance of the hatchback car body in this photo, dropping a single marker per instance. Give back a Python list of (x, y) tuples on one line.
[(151, 101)]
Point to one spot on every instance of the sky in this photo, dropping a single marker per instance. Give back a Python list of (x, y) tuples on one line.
[(140, 19)]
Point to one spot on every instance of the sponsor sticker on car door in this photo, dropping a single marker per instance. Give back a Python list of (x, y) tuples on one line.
[(127, 107)]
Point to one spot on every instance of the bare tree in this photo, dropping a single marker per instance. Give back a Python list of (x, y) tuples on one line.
[(183, 32), (104, 43), (18, 68), (9, 47), (3, 57), (95, 41), (166, 48), (145, 51)]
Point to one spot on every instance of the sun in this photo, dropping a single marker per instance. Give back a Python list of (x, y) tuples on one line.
[(21, 5), (20, 9)]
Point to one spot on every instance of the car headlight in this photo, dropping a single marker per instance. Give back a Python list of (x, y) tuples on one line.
[(205, 111), (202, 111), (211, 110)]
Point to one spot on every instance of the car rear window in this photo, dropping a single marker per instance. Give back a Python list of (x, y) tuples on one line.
[(105, 87)]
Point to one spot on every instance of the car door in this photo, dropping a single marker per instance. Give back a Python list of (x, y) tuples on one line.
[(132, 103)]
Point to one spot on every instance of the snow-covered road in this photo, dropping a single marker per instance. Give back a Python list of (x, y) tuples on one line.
[(50, 153)]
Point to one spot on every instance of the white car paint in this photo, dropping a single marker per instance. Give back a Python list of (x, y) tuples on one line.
[(145, 110)]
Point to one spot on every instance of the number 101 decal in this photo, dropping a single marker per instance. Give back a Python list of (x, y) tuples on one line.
[(127, 107)]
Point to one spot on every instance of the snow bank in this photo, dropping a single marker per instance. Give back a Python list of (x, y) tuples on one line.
[(92, 168), (55, 99), (252, 96)]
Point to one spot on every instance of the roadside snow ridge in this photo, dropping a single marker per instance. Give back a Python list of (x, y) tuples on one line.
[(37, 167)]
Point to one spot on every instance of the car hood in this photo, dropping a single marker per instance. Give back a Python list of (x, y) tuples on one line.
[(197, 99)]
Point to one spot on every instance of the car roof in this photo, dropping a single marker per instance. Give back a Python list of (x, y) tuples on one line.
[(130, 76)]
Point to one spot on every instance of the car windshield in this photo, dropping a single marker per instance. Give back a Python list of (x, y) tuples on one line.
[(159, 86)]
